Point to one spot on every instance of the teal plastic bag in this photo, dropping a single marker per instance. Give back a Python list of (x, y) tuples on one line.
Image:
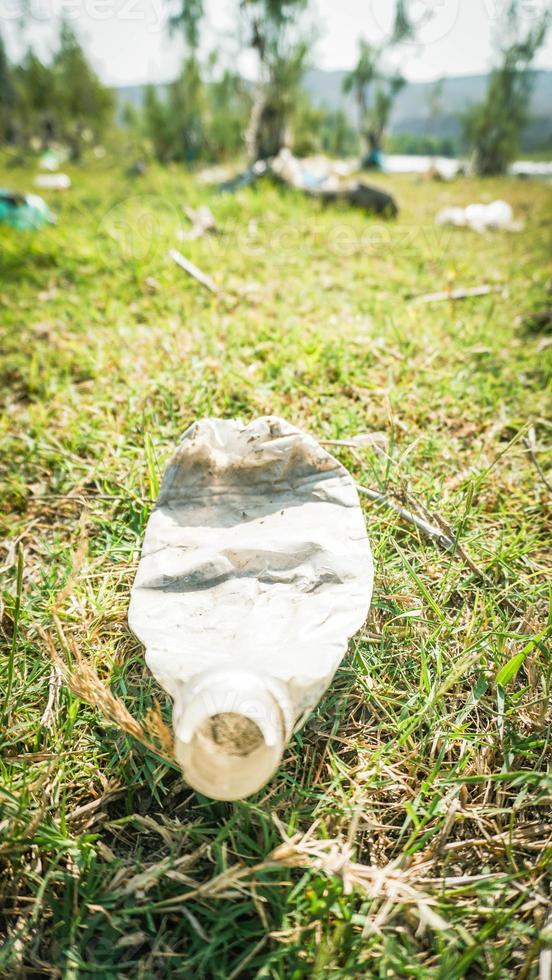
[(24, 211)]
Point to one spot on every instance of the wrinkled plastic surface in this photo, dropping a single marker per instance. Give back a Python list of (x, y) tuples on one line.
[(255, 557)]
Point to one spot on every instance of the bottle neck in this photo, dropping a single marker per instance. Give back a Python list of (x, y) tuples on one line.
[(231, 727)]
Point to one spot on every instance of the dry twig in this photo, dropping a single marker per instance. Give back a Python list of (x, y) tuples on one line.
[(432, 532), (194, 271), (529, 443), (455, 294)]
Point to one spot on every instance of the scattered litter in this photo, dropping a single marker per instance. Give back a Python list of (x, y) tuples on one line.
[(480, 217), (193, 270), (52, 159), (455, 294), (318, 177), (360, 195), (326, 184), (24, 211), (311, 173), (52, 182), (539, 320), (215, 175), (245, 178), (255, 571), (203, 222), (137, 169), (439, 175)]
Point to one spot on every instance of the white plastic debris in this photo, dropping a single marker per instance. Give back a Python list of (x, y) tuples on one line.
[(203, 222), (53, 182), (480, 217), (255, 572)]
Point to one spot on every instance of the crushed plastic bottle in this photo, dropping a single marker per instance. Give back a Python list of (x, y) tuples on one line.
[(255, 572)]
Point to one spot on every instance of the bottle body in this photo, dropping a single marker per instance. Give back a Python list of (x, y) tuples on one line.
[(256, 568)]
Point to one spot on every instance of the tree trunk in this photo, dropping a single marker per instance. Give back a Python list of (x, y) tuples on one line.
[(265, 135)]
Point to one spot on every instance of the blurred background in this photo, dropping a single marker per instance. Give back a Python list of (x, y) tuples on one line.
[(206, 81)]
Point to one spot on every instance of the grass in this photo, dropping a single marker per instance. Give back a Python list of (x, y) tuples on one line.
[(408, 832)]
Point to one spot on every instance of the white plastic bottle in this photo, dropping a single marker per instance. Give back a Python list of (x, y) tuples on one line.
[(255, 571)]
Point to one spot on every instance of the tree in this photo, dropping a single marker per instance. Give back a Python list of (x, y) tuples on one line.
[(63, 100), (494, 126), (403, 29), (282, 53), (373, 110), (270, 28), (81, 102), (35, 100), (175, 123), (186, 16), (337, 136), (7, 97), (228, 102)]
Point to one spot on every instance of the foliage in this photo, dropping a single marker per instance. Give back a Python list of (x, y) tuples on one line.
[(110, 867), (271, 27), (63, 100), (374, 92), (81, 102), (494, 126), (270, 30), (186, 17), (276, 100), (196, 117), (175, 121), (337, 137), (35, 105), (7, 96), (421, 143), (228, 106)]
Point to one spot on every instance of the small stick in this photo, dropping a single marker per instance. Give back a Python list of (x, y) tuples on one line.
[(458, 547), (435, 533), (455, 294), (193, 271), (528, 443)]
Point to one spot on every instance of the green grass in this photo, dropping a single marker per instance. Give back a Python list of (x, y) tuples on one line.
[(429, 756)]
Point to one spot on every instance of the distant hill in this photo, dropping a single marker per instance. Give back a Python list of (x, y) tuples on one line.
[(411, 112)]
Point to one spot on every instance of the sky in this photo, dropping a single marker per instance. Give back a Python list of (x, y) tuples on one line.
[(127, 42)]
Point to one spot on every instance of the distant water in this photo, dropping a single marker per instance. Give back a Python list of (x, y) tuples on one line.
[(396, 163)]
